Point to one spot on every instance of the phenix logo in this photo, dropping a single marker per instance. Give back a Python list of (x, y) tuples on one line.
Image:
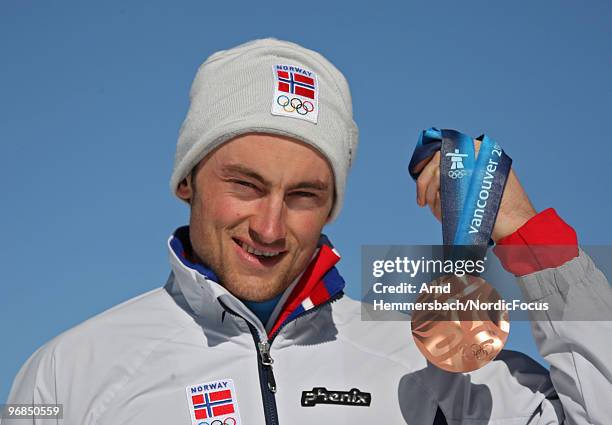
[(321, 395)]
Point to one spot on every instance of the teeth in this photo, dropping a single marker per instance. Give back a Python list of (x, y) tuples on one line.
[(253, 251)]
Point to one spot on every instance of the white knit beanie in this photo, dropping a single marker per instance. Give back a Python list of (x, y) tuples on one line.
[(269, 86)]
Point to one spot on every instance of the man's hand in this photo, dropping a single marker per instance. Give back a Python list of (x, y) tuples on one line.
[(514, 211)]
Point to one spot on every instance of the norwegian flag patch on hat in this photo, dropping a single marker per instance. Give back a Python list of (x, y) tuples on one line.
[(296, 92), (213, 401)]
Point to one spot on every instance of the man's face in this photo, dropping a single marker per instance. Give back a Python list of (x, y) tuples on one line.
[(258, 205)]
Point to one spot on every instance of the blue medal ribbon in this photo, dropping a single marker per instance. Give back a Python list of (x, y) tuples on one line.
[(471, 186)]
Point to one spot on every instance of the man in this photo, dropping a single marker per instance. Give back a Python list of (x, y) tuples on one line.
[(252, 326)]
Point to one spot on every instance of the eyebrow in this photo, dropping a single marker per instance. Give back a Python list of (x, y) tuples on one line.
[(245, 171)]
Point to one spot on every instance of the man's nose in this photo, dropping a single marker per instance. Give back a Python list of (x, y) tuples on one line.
[(267, 225)]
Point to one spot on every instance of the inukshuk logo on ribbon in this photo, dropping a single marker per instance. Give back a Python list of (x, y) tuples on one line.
[(213, 402), (296, 92)]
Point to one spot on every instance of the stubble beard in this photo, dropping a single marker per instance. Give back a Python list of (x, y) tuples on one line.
[(243, 286), (214, 250)]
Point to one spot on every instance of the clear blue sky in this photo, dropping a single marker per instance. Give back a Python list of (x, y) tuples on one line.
[(93, 93)]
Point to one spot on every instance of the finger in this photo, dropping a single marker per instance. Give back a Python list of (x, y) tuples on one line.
[(437, 208), (422, 163), (476, 146), (433, 188), (428, 173)]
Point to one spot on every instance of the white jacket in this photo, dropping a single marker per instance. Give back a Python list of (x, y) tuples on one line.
[(143, 361)]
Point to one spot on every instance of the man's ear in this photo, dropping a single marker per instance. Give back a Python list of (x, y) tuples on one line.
[(185, 190)]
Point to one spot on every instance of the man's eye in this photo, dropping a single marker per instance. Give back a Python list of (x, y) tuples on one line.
[(244, 183), (304, 194)]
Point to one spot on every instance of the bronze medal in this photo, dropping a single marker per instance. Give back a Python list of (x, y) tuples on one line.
[(469, 324), (456, 340)]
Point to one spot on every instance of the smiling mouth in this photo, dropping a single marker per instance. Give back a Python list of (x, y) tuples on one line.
[(266, 258)]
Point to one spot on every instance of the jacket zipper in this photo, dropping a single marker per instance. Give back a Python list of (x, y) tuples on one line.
[(265, 361), (267, 383)]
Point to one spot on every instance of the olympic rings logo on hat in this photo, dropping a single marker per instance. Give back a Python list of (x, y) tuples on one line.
[(294, 105), (457, 174), (226, 421)]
